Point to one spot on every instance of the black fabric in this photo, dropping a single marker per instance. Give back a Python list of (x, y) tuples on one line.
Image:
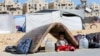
[(94, 45), (24, 46), (94, 39), (11, 49), (96, 18), (20, 29), (90, 36), (98, 37), (78, 37)]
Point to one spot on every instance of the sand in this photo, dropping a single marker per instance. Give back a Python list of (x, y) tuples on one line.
[(87, 29), (11, 39)]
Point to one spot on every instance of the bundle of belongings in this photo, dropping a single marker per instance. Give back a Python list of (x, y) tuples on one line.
[(93, 39), (22, 47)]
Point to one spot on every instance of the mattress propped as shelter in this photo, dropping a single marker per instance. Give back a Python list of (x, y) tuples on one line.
[(38, 35)]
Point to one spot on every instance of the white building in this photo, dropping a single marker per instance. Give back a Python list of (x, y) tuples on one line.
[(34, 5), (95, 10), (11, 7), (61, 4)]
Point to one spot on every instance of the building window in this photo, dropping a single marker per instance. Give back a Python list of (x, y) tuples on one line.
[(8, 8), (18, 12), (71, 8), (35, 5), (40, 5), (69, 4), (35, 8), (56, 4), (96, 7), (43, 8), (17, 5), (11, 12), (96, 13), (45, 4), (29, 8), (0, 9), (63, 4), (3, 5), (29, 5)]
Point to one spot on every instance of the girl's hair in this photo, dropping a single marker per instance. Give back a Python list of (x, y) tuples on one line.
[(61, 33)]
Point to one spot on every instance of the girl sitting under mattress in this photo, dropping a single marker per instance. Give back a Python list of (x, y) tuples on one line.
[(62, 44)]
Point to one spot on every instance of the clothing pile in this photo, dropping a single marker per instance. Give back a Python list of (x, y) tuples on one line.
[(22, 47), (93, 39)]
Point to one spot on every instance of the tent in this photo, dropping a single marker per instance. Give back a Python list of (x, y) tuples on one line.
[(41, 18), (7, 24), (38, 35)]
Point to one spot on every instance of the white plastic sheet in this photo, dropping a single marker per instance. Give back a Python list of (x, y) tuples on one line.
[(72, 23), (7, 24), (36, 20)]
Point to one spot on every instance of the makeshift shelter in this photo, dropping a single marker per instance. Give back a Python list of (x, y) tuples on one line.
[(7, 24), (38, 35), (41, 18)]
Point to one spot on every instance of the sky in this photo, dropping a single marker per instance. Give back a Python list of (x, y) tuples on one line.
[(76, 2)]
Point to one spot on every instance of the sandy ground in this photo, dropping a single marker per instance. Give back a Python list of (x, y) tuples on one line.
[(11, 39), (87, 29)]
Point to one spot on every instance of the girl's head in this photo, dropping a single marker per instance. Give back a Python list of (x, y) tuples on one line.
[(61, 35)]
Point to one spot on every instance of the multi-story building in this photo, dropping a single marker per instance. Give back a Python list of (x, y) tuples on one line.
[(1, 8), (61, 4), (95, 10), (34, 5), (93, 13), (28, 8), (11, 7), (95, 6)]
